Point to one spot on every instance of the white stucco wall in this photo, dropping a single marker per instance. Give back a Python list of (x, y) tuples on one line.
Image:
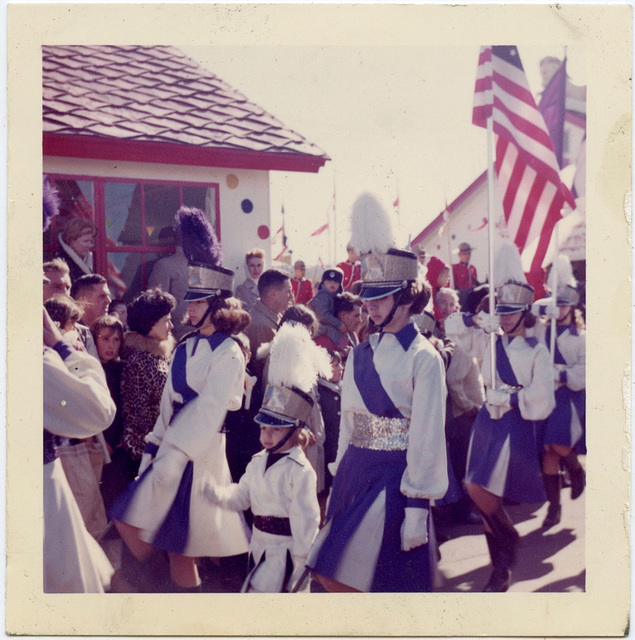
[(238, 230)]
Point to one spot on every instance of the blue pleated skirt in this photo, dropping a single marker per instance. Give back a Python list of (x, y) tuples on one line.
[(566, 424), (361, 542), (503, 457)]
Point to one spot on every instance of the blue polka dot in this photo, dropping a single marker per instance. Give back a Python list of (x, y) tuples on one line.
[(247, 205)]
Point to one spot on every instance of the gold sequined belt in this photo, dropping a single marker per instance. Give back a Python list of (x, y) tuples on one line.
[(381, 434)]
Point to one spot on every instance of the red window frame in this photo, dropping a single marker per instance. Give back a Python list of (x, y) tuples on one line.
[(101, 250)]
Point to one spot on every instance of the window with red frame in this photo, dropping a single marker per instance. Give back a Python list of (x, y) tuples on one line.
[(135, 223)]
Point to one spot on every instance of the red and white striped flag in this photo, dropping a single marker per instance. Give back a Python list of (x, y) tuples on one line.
[(526, 166)]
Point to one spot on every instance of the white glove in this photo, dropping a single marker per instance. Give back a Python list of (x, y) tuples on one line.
[(557, 370), (489, 324), (168, 467), (146, 460), (498, 398), (414, 529), (211, 490)]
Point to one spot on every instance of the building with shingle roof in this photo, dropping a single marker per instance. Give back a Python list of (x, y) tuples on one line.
[(130, 133)]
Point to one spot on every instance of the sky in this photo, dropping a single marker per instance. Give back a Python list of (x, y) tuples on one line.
[(394, 120)]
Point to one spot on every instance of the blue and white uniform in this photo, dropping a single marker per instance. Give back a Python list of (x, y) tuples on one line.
[(391, 455), (566, 424), (503, 455), (205, 381)]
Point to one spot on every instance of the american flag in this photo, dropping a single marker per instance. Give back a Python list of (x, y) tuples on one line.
[(526, 166)]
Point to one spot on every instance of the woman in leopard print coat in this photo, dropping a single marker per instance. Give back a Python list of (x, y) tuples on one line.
[(146, 360)]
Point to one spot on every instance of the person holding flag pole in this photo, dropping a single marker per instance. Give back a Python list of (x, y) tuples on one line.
[(503, 456)]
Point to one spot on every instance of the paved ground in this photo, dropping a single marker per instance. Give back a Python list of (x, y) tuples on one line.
[(548, 561)]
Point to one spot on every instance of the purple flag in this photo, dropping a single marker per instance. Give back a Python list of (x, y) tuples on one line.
[(552, 107)]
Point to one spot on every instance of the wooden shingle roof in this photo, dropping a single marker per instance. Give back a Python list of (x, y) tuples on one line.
[(153, 103)]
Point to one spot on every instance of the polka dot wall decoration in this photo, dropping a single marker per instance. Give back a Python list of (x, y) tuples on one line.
[(232, 181), (263, 231), (247, 205)]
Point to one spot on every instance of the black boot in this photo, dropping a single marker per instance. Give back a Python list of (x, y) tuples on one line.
[(501, 575), (505, 533), (150, 576), (552, 489), (576, 474)]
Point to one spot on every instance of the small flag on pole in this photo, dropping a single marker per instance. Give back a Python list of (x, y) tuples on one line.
[(320, 230), (526, 166), (395, 204)]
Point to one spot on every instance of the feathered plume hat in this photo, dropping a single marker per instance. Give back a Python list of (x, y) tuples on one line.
[(566, 286), (385, 269), (512, 291), (205, 276), (295, 362), (50, 203)]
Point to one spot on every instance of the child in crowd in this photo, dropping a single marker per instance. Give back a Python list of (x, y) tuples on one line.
[(279, 484), (323, 304), (65, 312), (108, 335), (119, 308)]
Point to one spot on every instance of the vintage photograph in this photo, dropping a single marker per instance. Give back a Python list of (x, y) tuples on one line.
[(315, 319)]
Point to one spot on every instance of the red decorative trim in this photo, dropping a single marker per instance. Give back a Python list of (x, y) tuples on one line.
[(72, 146), (451, 207)]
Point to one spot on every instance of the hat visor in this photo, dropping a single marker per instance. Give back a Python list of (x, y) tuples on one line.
[(375, 293), (193, 296), (270, 421), (506, 309)]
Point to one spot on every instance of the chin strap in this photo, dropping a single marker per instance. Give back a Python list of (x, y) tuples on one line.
[(390, 316), (199, 324), (521, 319), (282, 442)]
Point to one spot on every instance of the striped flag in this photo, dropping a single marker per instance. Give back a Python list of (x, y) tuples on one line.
[(526, 166)]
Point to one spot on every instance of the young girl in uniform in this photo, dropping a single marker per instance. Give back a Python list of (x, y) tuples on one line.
[(503, 460), (391, 458), (165, 508), (563, 432), (279, 484)]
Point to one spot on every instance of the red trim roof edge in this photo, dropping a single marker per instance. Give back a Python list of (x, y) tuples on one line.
[(97, 148), (451, 207)]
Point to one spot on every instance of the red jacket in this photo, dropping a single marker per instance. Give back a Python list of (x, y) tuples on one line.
[(464, 276), (352, 273), (302, 290)]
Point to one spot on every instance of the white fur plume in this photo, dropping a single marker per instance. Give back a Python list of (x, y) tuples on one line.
[(507, 264), (371, 226), (564, 274), (295, 360)]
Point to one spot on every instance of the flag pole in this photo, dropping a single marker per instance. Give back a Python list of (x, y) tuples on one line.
[(490, 243), (554, 293)]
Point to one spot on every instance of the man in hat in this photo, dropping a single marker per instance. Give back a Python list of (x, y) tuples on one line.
[(302, 287), (464, 273), (351, 268)]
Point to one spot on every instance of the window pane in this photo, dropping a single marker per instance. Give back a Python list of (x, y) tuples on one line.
[(203, 198), (131, 269), (122, 201), (161, 204)]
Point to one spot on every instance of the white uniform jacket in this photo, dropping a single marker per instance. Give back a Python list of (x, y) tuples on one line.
[(531, 365), (287, 489)]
